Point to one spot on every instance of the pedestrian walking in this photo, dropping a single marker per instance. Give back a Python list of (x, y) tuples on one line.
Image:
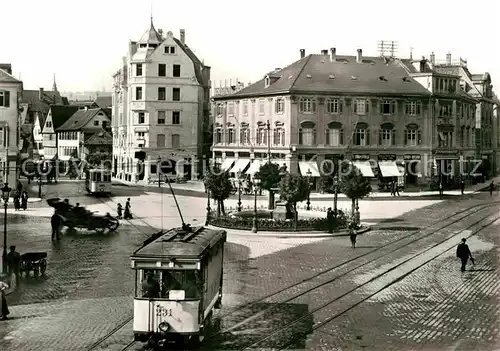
[(462, 187), (4, 311), (492, 187), (330, 219), (463, 252), (13, 261), (17, 202), (119, 210), (55, 222), (128, 214), (353, 227), (396, 189), (24, 200), (440, 189)]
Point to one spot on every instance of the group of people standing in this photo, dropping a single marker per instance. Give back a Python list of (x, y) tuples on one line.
[(20, 198)]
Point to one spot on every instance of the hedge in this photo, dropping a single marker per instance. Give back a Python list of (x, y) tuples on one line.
[(277, 225)]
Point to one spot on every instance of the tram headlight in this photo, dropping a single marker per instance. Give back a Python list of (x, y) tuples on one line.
[(163, 327)]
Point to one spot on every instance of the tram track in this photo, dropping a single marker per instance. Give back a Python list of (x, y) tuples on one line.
[(449, 221), (334, 308)]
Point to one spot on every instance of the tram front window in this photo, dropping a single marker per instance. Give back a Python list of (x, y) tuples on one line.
[(96, 177), (159, 283)]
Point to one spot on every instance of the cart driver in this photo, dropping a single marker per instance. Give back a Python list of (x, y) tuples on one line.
[(150, 286)]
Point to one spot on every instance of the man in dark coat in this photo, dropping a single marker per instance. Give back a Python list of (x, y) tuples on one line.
[(14, 263), (330, 219), (56, 222), (463, 252)]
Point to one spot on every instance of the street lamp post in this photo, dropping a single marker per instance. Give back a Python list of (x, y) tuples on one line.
[(309, 174), (336, 192), (158, 170), (256, 183), (5, 197), (239, 191), (208, 206)]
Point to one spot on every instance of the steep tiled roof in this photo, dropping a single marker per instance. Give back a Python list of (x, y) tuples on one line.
[(79, 119), (5, 77), (100, 137), (196, 61), (32, 97), (151, 36), (315, 73), (104, 101), (61, 113)]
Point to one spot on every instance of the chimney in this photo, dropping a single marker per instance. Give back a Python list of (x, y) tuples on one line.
[(40, 94), (302, 53), (183, 36), (448, 58), (422, 64), (324, 52), (359, 58), (432, 58), (333, 52)]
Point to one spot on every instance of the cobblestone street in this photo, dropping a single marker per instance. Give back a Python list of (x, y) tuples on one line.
[(88, 288)]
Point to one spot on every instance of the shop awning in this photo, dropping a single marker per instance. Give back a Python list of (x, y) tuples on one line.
[(389, 169), (254, 167), (240, 165), (226, 165), (365, 168), (309, 166)]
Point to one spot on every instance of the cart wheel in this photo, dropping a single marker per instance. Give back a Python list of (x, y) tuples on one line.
[(113, 224), (43, 266), (36, 270)]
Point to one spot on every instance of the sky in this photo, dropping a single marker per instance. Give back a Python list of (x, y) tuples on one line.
[(82, 42)]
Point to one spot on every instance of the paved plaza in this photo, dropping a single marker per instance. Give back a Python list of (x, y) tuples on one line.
[(88, 288)]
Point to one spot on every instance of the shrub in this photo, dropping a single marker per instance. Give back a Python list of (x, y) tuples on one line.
[(312, 224)]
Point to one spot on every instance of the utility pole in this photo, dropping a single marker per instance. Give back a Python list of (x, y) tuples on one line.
[(268, 126)]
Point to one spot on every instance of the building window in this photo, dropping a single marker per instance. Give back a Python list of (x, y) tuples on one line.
[(387, 137), (161, 117), (138, 93), (140, 135), (176, 141), (445, 139), (230, 109), (307, 105), (361, 106), (245, 108), (219, 109), (176, 117), (176, 94), (230, 136), (279, 136), (467, 137), (218, 135), (169, 50), (162, 70), (245, 136), (96, 123), (334, 106), (387, 107), (413, 108), (279, 105), (445, 110), (141, 117), (262, 106), (261, 136), (162, 93), (5, 100), (307, 136), (413, 136), (362, 137), (177, 71), (138, 70), (334, 136), (462, 137), (160, 140)]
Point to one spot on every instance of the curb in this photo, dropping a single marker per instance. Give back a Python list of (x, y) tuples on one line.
[(291, 235)]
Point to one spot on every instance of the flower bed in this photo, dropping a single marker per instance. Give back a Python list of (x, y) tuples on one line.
[(261, 214), (276, 225)]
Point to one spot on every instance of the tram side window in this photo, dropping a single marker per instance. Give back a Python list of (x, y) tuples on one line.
[(187, 280), (148, 283), (106, 177)]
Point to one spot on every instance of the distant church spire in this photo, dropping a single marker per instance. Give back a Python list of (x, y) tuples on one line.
[(54, 85)]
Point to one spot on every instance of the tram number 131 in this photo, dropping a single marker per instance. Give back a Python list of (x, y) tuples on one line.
[(163, 312)]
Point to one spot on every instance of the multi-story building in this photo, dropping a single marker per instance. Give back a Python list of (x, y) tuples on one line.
[(478, 86), (11, 90), (78, 135), (160, 102), (56, 117), (401, 114)]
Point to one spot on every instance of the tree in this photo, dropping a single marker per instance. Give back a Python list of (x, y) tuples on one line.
[(98, 158), (294, 188), (326, 184), (269, 175), (220, 187), (353, 184)]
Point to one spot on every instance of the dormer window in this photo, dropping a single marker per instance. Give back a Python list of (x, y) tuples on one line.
[(267, 81)]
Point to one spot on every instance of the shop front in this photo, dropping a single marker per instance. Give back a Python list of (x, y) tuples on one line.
[(447, 168), (412, 168), (390, 170), (365, 164)]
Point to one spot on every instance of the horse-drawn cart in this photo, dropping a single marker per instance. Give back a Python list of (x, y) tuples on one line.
[(33, 261), (78, 217)]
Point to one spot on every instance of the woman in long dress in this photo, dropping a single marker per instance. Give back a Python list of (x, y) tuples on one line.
[(4, 312)]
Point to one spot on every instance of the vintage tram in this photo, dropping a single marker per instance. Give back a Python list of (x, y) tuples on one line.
[(98, 181), (179, 276)]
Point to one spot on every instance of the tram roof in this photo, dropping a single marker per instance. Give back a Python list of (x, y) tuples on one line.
[(179, 243)]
